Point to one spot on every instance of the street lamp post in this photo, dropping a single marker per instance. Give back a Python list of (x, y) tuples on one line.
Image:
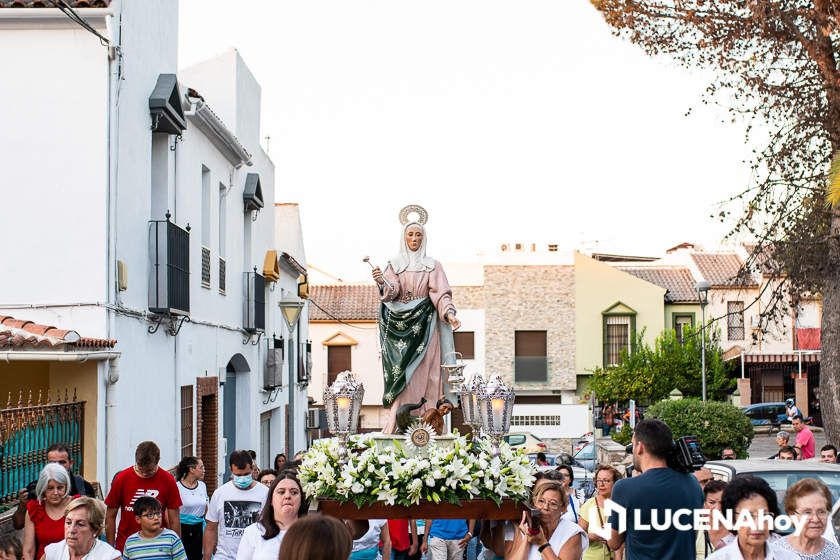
[(702, 288), (290, 310)]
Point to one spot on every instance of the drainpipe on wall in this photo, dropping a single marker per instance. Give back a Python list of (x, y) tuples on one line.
[(112, 374), (111, 378), (292, 374)]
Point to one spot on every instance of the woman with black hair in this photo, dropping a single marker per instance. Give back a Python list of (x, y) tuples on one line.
[(573, 502), (751, 497), (190, 473), (286, 503)]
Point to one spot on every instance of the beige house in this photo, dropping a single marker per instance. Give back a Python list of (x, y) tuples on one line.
[(345, 336), (775, 359)]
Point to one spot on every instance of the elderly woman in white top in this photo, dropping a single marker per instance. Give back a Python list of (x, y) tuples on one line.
[(553, 537), (751, 496), (810, 500), (84, 520)]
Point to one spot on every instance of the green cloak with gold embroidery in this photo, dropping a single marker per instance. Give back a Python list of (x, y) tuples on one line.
[(405, 331)]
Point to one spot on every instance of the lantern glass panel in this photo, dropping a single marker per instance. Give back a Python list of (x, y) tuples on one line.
[(342, 401), (496, 406)]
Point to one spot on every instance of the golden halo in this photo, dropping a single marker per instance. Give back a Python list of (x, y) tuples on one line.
[(422, 215)]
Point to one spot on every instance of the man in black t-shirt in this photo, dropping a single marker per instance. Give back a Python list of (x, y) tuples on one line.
[(656, 488)]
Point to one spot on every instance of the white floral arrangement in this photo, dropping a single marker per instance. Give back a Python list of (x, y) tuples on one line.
[(395, 477)]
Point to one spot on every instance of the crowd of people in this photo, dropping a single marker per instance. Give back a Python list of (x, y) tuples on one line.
[(263, 514), (151, 514)]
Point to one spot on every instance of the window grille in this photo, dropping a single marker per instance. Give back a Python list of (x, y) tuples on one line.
[(187, 421), (735, 320), (616, 338)]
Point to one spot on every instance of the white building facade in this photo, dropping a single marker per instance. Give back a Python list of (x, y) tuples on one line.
[(151, 210)]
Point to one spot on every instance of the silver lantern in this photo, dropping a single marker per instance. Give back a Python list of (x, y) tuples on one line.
[(455, 372), (343, 404), (468, 396), (495, 407)]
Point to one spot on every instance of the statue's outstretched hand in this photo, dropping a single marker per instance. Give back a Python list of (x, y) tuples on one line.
[(378, 277), (453, 320)]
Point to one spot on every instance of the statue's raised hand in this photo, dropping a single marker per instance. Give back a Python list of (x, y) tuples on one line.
[(378, 277)]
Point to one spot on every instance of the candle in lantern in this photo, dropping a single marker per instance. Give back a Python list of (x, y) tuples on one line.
[(498, 407), (343, 404)]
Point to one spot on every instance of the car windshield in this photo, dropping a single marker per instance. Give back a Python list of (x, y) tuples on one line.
[(586, 452), (782, 480)]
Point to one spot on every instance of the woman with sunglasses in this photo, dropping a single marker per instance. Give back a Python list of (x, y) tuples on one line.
[(594, 517)]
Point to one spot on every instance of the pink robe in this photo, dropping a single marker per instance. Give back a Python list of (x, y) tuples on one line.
[(426, 380)]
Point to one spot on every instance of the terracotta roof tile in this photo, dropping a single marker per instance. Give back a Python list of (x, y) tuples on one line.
[(721, 269), (351, 302), (678, 281), (21, 334)]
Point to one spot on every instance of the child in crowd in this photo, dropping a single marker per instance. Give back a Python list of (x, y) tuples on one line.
[(152, 541), (10, 547)]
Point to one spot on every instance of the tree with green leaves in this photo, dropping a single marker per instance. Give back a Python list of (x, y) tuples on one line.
[(776, 63), (649, 374)]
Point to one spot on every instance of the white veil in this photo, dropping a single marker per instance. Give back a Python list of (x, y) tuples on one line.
[(414, 261)]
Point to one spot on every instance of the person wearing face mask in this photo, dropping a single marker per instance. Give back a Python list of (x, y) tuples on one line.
[(234, 506), (286, 503)]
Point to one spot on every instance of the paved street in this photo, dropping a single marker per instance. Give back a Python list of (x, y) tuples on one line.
[(764, 445)]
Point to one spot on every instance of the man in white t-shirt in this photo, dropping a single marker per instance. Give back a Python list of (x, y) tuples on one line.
[(234, 505)]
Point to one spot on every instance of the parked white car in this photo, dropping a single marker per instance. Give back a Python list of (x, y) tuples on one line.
[(781, 475)]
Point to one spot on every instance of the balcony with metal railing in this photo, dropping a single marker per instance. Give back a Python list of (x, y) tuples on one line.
[(205, 267), (169, 279), (254, 300)]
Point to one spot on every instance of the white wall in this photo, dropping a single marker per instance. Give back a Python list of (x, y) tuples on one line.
[(572, 420), (57, 133), (287, 237), (472, 320), (53, 151)]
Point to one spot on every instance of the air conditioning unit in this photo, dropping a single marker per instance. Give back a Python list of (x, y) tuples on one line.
[(313, 419), (755, 321)]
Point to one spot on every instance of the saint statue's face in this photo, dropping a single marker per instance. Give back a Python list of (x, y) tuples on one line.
[(414, 237)]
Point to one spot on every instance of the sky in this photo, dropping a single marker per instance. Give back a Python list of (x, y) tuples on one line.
[(508, 121)]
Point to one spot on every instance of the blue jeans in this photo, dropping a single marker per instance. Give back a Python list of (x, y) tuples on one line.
[(474, 548)]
